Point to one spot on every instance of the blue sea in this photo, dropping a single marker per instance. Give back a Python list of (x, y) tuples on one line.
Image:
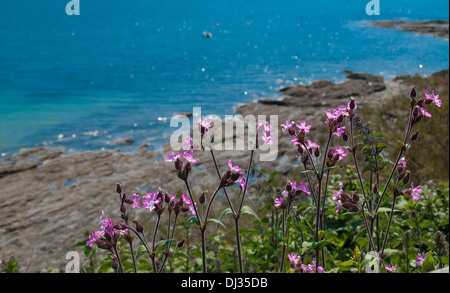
[(122, 69)]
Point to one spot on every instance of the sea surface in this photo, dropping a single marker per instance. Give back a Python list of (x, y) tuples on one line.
[(121, 69)]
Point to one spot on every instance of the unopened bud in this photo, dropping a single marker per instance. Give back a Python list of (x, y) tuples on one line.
[(355, 197), (187, 168), (181, 243), (166, 198), (118, 188), (317, 152), (345, 196), (235, 176), (178, 164), (406, 178), (291, 131), (413, 93), (202, 198), (345, 137), (184, 209), (375, 189), (352, 104), (115, 263), (415, 136), (289, 187), (139, 226)]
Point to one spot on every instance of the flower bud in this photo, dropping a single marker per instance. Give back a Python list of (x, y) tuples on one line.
[(118, 188), (179, 203), (355, 197), (345, 196), (115, 263), (187, 168), (406, 177), (139, 226), (345, 136), (317, 152), (202, 198), (166, 198), (129, 201), (235, 176), (184, 209), (413, 93), (300, 149), (375, 189), (181, 243), (348, 205), (415, 136), (352, 104), (178, 164), (291, 131), (123, 209), (289, 187), (330, 154)]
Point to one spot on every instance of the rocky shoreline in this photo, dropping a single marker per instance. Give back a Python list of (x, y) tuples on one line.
[(436, 28)]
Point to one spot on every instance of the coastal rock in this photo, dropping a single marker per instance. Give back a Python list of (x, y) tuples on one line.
[(437, 28)]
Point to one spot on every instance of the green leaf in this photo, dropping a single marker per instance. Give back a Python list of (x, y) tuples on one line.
[(193, 219), (224, 212), (428, 263), (140, 251), (163, 242), (321, 234), (12, 266), (388, 252), (248, 210), (215, 221)]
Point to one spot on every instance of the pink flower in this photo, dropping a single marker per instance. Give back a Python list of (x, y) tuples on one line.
[(303, 127), (303, 187), (288, 124), (432, 99), (242, 182), (234, 168), (420, 259), (185, 199), (294, 258), (267, 138), (135, 198), (339, 131), (390, 268), (415, 191), (150, 201), (94, 236), (402, 163), (341, 152), (205, 125), (425, 112), (279, 201), (189, 156), (337, 197), (172, 157)]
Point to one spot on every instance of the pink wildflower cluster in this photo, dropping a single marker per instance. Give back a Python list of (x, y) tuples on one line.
[(299, 267), (266, 129), (108, 229), (290, 194)]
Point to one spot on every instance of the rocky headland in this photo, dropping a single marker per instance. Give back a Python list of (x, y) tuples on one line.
[(436, 28)]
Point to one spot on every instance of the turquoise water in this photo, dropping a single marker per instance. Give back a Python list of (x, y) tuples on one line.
[(122, 69)]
